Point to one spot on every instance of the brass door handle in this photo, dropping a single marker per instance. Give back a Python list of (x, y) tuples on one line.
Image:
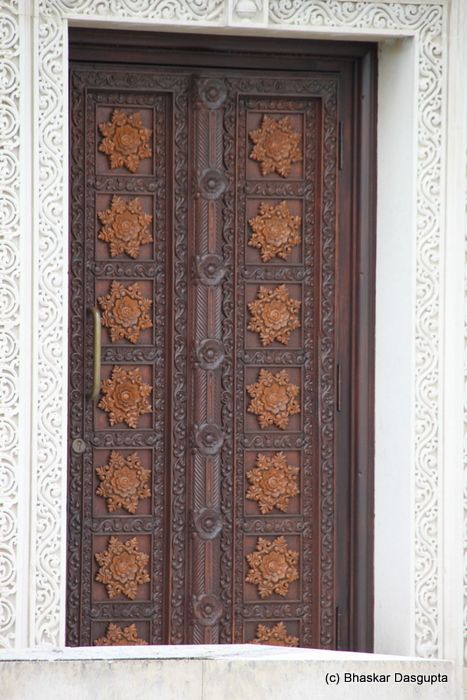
[(96, 354)]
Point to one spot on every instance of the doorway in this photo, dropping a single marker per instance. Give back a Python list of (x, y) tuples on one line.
[(221, 341)]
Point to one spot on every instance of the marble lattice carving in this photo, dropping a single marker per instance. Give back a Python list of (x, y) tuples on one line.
[(11, 314), (424, 20)]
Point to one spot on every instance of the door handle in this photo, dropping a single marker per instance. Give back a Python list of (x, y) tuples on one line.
[(96, 354)]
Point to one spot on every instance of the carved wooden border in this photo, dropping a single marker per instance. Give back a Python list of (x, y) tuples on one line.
[(425, 20)]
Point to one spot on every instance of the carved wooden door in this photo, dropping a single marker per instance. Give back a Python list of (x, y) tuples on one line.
[(207, 317)]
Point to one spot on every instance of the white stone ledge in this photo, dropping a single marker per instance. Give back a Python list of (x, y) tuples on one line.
[(228, 672)]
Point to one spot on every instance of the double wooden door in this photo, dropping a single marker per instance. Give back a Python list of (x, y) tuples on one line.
[(210, 311)]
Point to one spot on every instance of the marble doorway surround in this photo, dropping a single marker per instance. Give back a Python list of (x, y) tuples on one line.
[(421, 254)]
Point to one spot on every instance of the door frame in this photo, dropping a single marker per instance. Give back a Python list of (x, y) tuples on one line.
[(354, 63)]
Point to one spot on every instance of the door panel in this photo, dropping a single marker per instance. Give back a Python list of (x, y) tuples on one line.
[(204, 476)]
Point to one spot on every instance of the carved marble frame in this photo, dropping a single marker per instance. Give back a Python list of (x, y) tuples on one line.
[(33, 540)]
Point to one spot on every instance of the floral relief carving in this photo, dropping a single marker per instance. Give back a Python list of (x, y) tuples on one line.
[(125, 311), (275, 231), (273, 567), (273, 482), (274, 636), (125, 227), (118, 637), (122, 568), (277, 146), (274, 315), (125, 396), (274, 399), (124, 482), (126, 140)]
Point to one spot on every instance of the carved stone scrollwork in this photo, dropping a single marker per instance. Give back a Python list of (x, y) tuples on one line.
[(210, 354), (126, 140), (277, 146), (274, 315), (212, 184), (275, 231), (122, 567), (273, 482), (124, 482), (212, 92), (125, 396), (209, 438), (208, 523), (118, 637), (274, 636), (210, 269), (207, 609), (273, 567), (125, 311), (125, 227), (274, 399)]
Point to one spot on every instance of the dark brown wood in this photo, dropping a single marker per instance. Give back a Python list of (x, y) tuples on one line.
[(201, 542)]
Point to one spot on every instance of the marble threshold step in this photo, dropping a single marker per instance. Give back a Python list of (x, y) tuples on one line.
[(220, 672)]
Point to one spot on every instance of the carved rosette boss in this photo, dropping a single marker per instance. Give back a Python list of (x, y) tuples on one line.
[(126, 140), (275, 231), (274, 399), (274, 315), (124, 482), (273, 567), (125, 312), (118, 637), (277, 146), (273, 482), (122, 568), (125, 396), (126, 227), (274, 636)]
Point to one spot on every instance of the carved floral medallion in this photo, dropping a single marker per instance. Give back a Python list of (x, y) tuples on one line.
[(274, 399), (126, 140), (273, 567), (122, 568), (125, 312), (274, 636), (124, 482), (125, 396), (273, 482), (275, 231), (125, 227), (277, 146), (118, 637), (274, 315)]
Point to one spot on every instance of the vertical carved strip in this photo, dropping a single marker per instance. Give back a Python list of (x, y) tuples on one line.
[(209, 96), (10, 310)]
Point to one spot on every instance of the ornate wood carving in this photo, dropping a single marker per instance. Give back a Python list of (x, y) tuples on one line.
[(277, 146), (118, 637), (122, 568), (126, 227), (126, 140), (125, 311), (273, 482), (273, 567), (274, 315), (124, 482), (274, 399), (275, 231), (125, 396), (275, 636)]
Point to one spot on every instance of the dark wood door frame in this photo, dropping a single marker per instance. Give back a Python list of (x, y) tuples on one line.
[(355, 67)]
